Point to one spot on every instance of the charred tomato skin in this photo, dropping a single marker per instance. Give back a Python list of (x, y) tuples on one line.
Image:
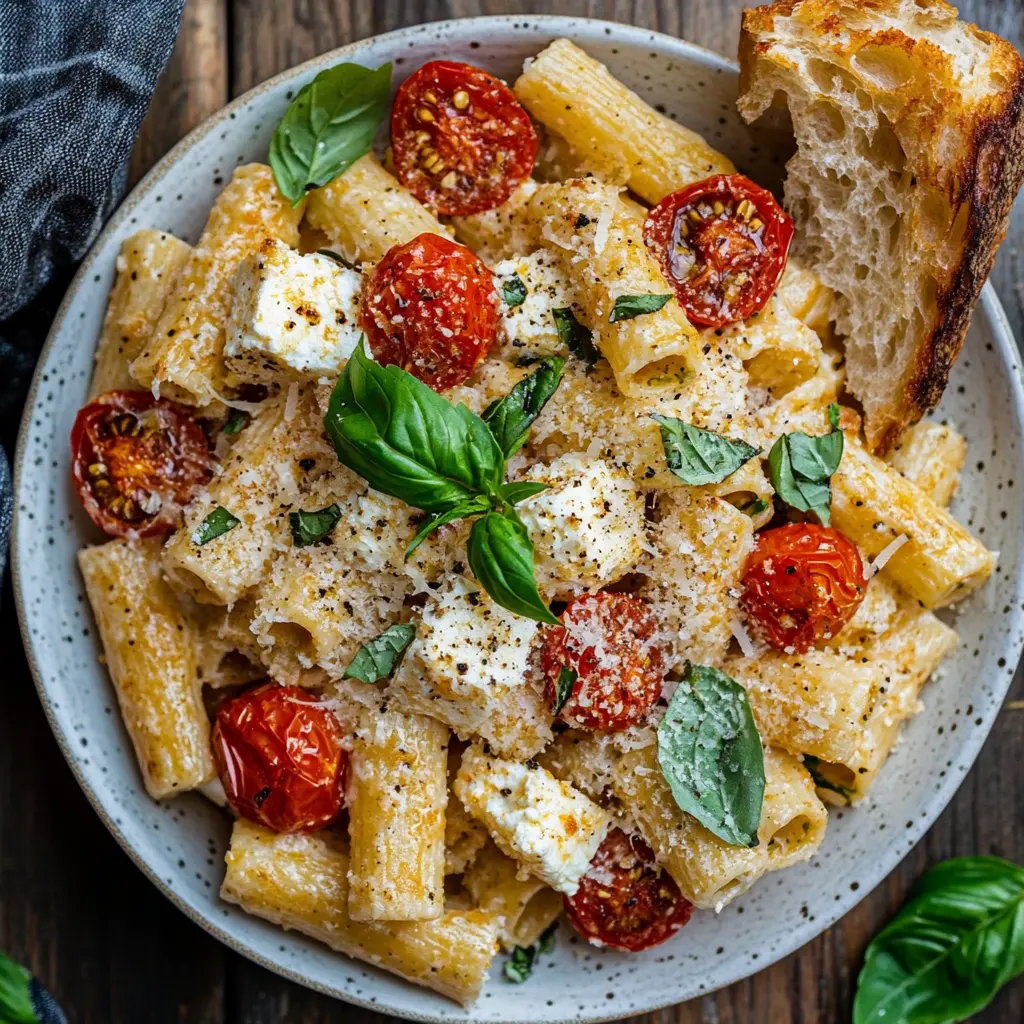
[(722, 244), (462, 142), (430, 307), (137, 461), (626, 900), (802, 584), (280, 757), (619, 677)]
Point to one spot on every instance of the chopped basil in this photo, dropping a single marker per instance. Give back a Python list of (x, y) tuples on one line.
[(236, 422), (313, 527), (701, 456), (710, 753), (576, 337), (801, 468), (510, 417), (377, 658), (563, 688), (628, 306), (813, 766), (520, 963), (328, 126), (337, 257), (755, 507), (513, 291), (219, 521)]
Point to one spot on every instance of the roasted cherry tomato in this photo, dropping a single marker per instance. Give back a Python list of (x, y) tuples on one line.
[(802, 584), (279, 756), (625, 900), (430, 307), (722, 243), (606, 639), (137, 461), (462, 142)]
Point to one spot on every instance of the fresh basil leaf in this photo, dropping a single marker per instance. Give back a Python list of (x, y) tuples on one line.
[(701, 456), (236, 422), (951, 947), (377, 658), (328, 126), (15, 994), (313, 527), (470, 508), (218, 522), (755, 508), (628, 306), (513, 291), (710, 754), (337, 257), (813, 766), (563, 688), (801, 468), (510, 417), (501, 556), (576, 337), (406, 440), (520, 490), (519, 965)]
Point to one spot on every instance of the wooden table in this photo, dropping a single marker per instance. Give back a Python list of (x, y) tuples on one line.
[(73, 907)]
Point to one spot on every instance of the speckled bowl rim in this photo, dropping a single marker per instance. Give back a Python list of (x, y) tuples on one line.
[(631, 35)]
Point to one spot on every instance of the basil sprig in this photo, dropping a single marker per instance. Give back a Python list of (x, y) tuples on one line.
[(313, 527), (710, 753), (328, 126), (513, 291), (378, 658), (701, 456), (576, 338), (800, 468), (951, 947), (628, 306), (510, 417), (15, 994), (218, 522), (406, 440)]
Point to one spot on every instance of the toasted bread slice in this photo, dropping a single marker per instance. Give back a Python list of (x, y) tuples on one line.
[(910, 149)]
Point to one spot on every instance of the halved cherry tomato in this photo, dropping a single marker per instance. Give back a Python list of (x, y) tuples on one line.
[(722, 244), (280, 759), (606, 639), (625, 900), (802, 584), (137, 461), (462, 142), (430, 307)]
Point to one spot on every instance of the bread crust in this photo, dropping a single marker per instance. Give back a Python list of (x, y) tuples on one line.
[(980, 184)]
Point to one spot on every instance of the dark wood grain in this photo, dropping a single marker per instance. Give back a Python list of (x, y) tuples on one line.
[(78, 912)]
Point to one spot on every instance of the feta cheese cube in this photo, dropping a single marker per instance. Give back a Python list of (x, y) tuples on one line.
[(294, 315), (552, 829)]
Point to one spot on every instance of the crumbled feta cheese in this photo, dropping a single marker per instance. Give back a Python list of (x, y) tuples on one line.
[(552, 829), (292, 314), (529, 328)]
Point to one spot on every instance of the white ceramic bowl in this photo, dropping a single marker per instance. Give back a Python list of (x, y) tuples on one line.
[(180, 843)]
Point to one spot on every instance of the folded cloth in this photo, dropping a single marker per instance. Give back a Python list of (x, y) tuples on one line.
[(76, 77)]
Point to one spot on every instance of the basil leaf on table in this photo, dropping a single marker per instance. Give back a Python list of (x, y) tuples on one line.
[(801, 468), (576, 337), (218, 522), (500, 554), (513, 291), (510, 417), (475, 507), (710, 753), (628, 306), (328, 126), (951, 947), (701, 456), (15, 994), (406, 440), (313, 527), (563, 688), (377, 658)]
